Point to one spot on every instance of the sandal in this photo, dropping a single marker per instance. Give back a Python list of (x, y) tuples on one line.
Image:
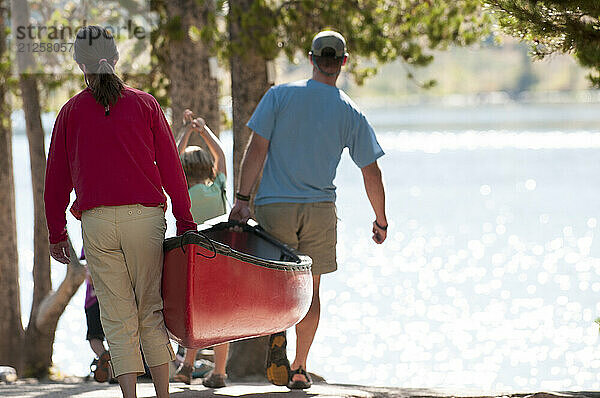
[(299, 384), (278, 366), (101, 372), (184, 374), (214, 380)]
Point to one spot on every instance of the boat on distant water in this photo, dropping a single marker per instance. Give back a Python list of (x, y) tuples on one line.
[(223, 284)]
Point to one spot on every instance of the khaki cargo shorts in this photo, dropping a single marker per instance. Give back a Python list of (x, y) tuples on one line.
[(310, 228)]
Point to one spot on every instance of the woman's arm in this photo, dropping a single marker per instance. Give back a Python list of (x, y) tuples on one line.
[(57, 191), (214, 145)]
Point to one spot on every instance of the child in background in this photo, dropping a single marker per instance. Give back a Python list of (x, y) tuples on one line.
[(206, 176), (95, 333)]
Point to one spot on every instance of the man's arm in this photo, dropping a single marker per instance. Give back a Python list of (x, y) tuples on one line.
[(376, 194), (251, 166)]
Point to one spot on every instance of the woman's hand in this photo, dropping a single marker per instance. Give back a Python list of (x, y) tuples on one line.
[(60, 252)]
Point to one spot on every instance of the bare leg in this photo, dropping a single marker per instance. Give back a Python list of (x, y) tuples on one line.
[(160, 378), (221, 352), (184, 373), (97, 346), (190, 356), (306, 330), (127, 383)]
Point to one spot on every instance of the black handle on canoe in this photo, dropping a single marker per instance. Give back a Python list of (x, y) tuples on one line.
[(210, 242)]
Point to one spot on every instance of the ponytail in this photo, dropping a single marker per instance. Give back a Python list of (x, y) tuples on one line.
[(95, 48), (105, 85)]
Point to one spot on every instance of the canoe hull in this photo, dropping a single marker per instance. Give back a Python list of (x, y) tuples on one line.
[(209, 301)]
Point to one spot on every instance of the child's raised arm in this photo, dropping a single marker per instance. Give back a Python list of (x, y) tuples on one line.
[(185, 132), (214, 145)]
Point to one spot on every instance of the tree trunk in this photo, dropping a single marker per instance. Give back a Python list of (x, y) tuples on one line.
[(37, 345), (47, 315), (54, 304), (37, 156), (249, 81), (191, 84), (11, 328)]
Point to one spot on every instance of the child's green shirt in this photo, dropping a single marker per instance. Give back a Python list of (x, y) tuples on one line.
[(208, 201)]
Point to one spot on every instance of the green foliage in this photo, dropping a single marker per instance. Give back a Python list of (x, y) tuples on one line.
[(380, 30), (167, 30), (554, 26), (7, 81), (57, 71), (156, 81), (258, 33)]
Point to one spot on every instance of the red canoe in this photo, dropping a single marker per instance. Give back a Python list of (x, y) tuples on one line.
[(220, 285)]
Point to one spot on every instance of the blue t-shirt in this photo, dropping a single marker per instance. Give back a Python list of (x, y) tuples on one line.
[(309, 124)]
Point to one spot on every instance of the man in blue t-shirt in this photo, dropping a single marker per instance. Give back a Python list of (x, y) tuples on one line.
[(301, 129)]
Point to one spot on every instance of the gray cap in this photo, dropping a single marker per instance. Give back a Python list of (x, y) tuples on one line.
[(328, 39)]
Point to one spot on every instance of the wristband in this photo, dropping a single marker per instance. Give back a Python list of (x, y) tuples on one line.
[(239, 196), (380, 227)]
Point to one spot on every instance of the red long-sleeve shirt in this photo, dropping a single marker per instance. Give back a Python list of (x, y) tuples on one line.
[(124, 158)]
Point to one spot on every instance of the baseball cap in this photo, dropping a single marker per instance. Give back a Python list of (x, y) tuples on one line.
[(328, 39)]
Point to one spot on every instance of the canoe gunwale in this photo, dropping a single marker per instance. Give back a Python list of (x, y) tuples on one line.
[(303, 262)]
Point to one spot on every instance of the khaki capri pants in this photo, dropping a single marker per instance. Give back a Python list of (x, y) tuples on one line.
[(123, 248), (310, 228)]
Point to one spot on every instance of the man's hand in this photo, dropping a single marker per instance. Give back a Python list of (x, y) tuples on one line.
[(60, 252), (379, 234), (240, 211)]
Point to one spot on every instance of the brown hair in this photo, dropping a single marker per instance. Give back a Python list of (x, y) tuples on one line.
[(197, 165), (95, 48)]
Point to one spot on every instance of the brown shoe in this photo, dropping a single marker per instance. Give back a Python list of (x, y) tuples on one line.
[(184, 374), (102, 371), (278, 366), (214, 380)]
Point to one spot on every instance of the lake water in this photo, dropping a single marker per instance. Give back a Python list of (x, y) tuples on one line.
[(490, 275)]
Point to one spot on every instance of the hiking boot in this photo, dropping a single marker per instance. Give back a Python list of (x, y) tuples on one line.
[(278, 366)]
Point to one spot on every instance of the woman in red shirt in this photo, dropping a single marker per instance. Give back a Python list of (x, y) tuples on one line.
[(113, 145)]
